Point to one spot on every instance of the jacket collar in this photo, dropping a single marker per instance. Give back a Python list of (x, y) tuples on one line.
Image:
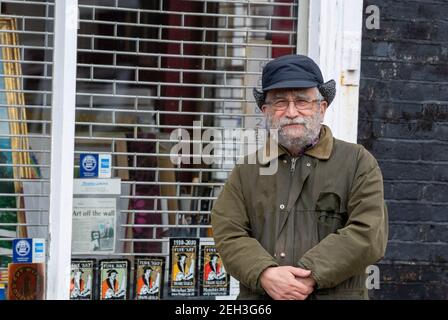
[(322, 150)]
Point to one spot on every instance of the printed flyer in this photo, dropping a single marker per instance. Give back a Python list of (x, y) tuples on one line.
[(114, 279), (215, 281), (183, 265), (149, 274), (81, 279)]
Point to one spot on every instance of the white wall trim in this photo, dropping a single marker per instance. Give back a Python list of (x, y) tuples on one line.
[(334, 42), (302, 27), (62, 149)]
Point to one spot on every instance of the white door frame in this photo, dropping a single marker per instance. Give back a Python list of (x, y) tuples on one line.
[(333, 41), (62, 149)]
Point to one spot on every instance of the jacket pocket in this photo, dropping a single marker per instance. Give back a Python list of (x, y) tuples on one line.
[(331, 216)]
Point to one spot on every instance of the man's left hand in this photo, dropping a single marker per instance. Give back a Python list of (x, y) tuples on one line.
[(308, 281)]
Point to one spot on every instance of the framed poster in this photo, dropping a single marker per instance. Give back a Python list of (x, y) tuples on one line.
[(215, 281), (114, 279), (183, 267), (82, 277), (13, 137), (149, 276)]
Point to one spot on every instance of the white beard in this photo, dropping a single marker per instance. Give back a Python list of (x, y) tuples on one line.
[(296, 139)]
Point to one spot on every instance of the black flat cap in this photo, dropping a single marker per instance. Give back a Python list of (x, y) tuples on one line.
[(291, 71), (294, 71)]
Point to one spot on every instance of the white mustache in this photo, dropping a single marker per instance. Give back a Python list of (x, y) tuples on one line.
[(288, 123)]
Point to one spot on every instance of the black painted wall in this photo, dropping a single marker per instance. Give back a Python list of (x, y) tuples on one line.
[(403, 121)]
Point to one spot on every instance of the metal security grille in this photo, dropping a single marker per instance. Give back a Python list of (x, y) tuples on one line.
[(148, 68), (26, 41)]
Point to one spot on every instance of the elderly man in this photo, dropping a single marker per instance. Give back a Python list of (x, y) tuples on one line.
[(310, 229)]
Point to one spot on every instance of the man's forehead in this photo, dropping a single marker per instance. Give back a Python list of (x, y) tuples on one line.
[(294, 91)]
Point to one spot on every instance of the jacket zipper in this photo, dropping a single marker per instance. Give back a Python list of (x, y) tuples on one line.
[(292, 170), (293, 165)]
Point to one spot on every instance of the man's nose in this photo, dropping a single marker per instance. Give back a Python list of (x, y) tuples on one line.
[(291, 111)]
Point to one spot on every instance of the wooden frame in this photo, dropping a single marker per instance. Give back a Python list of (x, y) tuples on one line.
[(15, 98), (13, 127)]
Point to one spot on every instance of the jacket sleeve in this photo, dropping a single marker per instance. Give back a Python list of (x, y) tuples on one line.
[(242, 255), (363, 240)]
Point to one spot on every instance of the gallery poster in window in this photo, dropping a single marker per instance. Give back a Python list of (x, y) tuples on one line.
[(114, 277), (214, 280), (82, 279), (149, 276), (183, 267)]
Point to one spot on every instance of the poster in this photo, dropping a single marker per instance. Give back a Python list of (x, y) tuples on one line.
[(183, 265), (81, 279), (114, 275), (94, 221), (215, 281), (6, 172), (149, 274), (200, 205), (17, 162)]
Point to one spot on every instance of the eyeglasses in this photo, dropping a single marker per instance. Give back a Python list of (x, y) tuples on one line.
[(299, 104)]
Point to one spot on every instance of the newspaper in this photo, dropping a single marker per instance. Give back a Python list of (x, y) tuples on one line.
[(94, 221)]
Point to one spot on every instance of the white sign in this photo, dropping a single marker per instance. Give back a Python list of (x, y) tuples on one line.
[(38, 250), (97, 186), (105, 166)]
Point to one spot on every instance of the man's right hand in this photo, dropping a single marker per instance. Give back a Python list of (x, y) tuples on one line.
[(280, 283)]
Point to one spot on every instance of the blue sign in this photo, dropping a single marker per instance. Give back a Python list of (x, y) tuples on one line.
[(39, 248), (88, 165), (21, 250), (92, 165), (105, 163), (28, 250)]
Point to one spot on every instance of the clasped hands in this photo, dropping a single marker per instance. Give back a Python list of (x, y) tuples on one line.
[(287, 283)]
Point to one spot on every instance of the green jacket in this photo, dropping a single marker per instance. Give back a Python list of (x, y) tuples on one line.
[(323, 211)]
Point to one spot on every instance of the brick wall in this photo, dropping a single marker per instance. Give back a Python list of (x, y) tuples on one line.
[(403, 121)]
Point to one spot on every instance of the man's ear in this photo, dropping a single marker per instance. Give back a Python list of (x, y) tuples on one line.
[(323, 107), (264, 108)]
